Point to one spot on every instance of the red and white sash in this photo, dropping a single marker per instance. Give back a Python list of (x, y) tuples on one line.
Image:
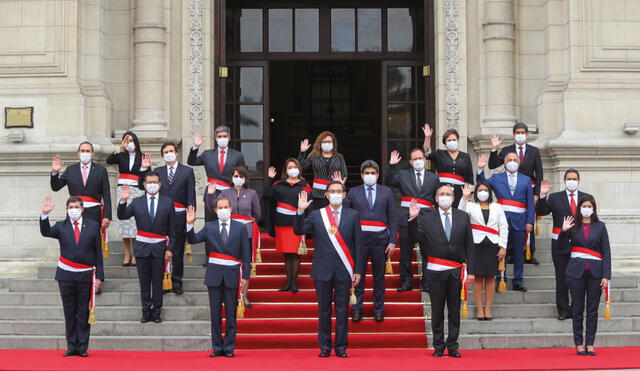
[(221, 185), (180, 208), (555, 232), (584, 253), (450, 178), (128, 179), (423, 204), (320, 184), (148, 237), (336, 239), (533, 184), (70, 266), (439, 265), (372, 226), (89, 201), (223, 259), (255, 232), (286, 209), (513, 206), (92, 202), (482, 231)]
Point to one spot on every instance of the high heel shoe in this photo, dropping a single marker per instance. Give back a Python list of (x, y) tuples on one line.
[(126, 264), (581, 352), (591, 352), (286, 287), (294, 288), (247, 304)]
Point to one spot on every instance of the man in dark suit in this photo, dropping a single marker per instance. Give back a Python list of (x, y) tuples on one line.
[(155, 220), (415, 183), (560, 205), (446, 239), (87, 180), (530, 165), (379, 224), (179, 184), (337, 262), (514, 194), (79, 270), (218, 163), (229, 251)]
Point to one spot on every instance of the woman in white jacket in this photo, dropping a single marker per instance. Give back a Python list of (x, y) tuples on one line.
[(490, 234)]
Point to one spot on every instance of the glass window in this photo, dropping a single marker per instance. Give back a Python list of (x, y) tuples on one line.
[(251, 121), (343, 30), (399, 30), (369, 30), (280, 30), (253, 158), (400, 84), (307, 30), (400, 121), (251, 30), (250, 84)]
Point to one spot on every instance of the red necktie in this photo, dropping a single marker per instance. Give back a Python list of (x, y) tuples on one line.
[(76, 231), (85, 175), (521, 155), (573, 204), (221, 161)]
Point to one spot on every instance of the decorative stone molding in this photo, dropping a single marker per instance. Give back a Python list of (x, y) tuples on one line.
[(491, 22), (452, 55), (196, 78), (162, 42), (498, 37), (150, 25)]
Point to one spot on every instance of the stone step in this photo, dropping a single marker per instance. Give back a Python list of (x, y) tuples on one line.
[(519, 311), (544, 340), (542, 325)]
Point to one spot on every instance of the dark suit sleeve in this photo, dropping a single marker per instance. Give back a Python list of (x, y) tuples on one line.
[(47, 231), (194, 159), (469, 178), (392, 213), (302, 225), (539, 175), (256, 210), (480, 177), (496, 159), (361, 264), (343, 168), (531, 218), (416, 229), (106, 195), (347, 200), (191, 189), (97, 250), (267, 190), (543, 206), (124, 212), (392, 178), (606, 253), (194, 237), (305, 162), (58, 181), (113, 158), (245, 254), (173, 229)]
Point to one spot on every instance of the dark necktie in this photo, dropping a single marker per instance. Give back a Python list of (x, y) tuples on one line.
[(419, 183), (370, 197), (152, 208), (224, 235), (521, 155), (76, 232), (447, 226), (171, 175)]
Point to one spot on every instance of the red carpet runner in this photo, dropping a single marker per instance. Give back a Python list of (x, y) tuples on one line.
[(283, 320)]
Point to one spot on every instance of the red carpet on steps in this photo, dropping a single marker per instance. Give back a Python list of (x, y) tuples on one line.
[(361, 359), (283, 320)]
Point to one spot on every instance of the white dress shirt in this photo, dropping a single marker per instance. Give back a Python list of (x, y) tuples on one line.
[(132, 159), (175, 169), (442, 216)]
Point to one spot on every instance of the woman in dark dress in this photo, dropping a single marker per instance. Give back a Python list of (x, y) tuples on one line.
[(588, 271), (327, 165), (490, 233), (452, 165), (132, 164), (284, 193)]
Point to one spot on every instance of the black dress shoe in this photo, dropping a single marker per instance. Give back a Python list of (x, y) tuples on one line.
[(378, 317), (519, 288), (533, 261), (99, 291), (157, 320), (437, 353), (83, 354), (324, 354), (294, 288), (126, 264), (177, 291), (404, 288), (229, 354), (248, 304), (357, 316), (144, 319), (218, 353), (286, 287), (164, 292), (69, 353), (454, 354), (341, 354), (132, 265), (563, 317), (488, 318)]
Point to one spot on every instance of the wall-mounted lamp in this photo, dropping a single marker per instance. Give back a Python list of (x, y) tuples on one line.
[(631, 128)]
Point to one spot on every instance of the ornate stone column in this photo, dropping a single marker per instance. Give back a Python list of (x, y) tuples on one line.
[(150, 116), (498, 38)]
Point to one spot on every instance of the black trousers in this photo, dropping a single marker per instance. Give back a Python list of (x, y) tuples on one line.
[(406, 256), (75, 304), (378, 264), (441, 292), (560, 262), (325, 291), (532, 240), (586, 287), (150, 274), (92, 213), (218, 295), (177, 262)]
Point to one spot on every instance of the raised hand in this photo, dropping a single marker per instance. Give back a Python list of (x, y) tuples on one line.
[(545, 187), (272, 172), (191, 214), (482, 160), (568, 223), (47, 205), (197, 139), (56, 164), (496, 141), (125, 192), (426, 129), (303, 202), (211, 188), (304, 145), (146, 160), (337, 176), (414, 210), (467, 190), (124, 143), (395, 158)]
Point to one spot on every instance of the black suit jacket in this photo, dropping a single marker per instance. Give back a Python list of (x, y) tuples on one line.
[(428, 231), (598, 241), (122, 160), (163, 224), (384, 210), (531, 166), (209, 159), (405, 181), (237, 246), (97, 185), (183, 188), (557, 204), (88, 251)]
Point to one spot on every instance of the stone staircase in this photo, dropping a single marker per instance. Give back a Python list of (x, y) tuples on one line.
[(31, 313)]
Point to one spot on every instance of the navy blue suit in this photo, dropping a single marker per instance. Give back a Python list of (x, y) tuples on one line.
[(584, 276), (330, 275), (150, 256), (517, 221), (222, 281), (375, 243), (75, 287)]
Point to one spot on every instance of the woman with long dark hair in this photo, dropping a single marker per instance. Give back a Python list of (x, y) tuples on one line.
[(588, 271)]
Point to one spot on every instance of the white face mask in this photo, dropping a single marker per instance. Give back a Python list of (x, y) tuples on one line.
[(370, 179), (237, 181), (170, 157), (326, 147), (223, 214), (293, 172), (85, 157), (130, 147), (152, 188), (74, 214), (586, 212), (445, 201), (512, 166), (520, 138), (222, 142), (452, 145), (572, 185), (418, 165), (483, 196), (335, 199)]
